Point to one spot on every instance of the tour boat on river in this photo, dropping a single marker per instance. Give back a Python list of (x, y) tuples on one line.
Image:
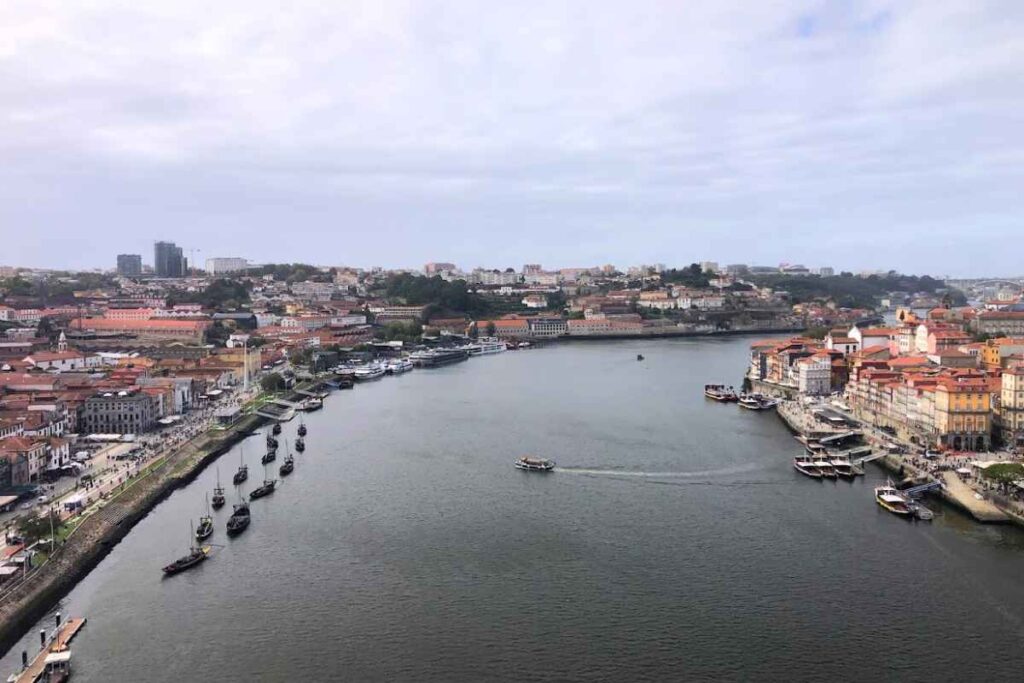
[(842, 466), (485, 346), (435, 358), (825, 467), (535, 464), (892, 500), (804, 464), (368, 372), (720, 392), (399, 366)]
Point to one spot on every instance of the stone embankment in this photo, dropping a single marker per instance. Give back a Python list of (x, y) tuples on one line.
[(100, 531)]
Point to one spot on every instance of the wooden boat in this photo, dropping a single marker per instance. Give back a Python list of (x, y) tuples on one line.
[(243, 470), (205, 528), (218, 499), (276, 429), (287, 467), (265, 490), (239, 520), (300, 445), (269, 456), (196, 555), (302, 429)]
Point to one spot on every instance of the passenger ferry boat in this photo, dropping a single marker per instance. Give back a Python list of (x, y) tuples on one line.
[(311, 404), (892, 500), (397, 367), (535, 464), (843, 467), (825, 467), (368, 372), (719, 392), (806, 465)]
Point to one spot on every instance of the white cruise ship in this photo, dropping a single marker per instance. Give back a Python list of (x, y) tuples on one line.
[(487, 346)]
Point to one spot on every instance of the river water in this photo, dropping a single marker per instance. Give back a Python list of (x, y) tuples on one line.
[(674, 542)]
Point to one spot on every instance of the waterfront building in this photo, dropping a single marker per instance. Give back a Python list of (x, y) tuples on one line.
[(1011, 406), (221, 265), (129, 265), (26, 458), (814, 374), (183, 330), (168, 260), (129, 411), (547, 327), (963, 413)]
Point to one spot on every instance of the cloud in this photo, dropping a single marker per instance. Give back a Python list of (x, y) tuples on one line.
[(398, 132)]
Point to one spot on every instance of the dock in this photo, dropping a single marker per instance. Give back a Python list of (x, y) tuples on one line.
[(57, 645)]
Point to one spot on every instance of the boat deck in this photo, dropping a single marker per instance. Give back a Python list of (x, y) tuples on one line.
[(60, 643)]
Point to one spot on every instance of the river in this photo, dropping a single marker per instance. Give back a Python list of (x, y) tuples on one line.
[(673, 542)]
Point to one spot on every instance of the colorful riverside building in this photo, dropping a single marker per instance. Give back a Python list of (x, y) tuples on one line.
[(1011, 405)]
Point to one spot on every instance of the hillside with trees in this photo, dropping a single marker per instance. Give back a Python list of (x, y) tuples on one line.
[(852, 291)]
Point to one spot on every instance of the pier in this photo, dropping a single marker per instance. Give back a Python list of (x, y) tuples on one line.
[(54, 652)]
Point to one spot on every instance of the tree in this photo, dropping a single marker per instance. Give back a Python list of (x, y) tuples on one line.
[(34, 527), (272, 383)]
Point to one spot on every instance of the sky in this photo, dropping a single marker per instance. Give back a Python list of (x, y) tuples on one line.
[(852, 134)]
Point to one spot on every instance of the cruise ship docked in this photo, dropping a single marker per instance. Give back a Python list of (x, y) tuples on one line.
[(435, 358), (487, 346)]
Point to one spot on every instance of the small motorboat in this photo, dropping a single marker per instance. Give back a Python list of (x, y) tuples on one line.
[(639, 356), (276, 429), (535, 464), (302, 429), (312, 404), (300, 445)]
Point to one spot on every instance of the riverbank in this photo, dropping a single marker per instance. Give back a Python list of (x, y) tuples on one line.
[(100, 531), (954, 491), (669, 334)]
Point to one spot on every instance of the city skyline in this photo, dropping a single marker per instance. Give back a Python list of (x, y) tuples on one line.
[(864, 135)]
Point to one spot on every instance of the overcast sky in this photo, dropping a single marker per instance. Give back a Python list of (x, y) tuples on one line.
[(859, 135)]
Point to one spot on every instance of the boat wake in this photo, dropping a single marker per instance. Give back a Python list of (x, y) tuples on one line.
[(661, 475)]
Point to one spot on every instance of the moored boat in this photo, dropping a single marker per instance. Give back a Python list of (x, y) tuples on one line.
[(287, 467), (892, 500), (218, 494), (397, 367), (239, 520), (842, 466), (276, 429), (196, 555), (825, 467), (243, 470), (205, 528), (265, 490), (805, 465), (302, 429), (311, 404), (756, 402), (435, 358), (300, 444), (720, 392), (535, 464), (485, 346), (269, 456)]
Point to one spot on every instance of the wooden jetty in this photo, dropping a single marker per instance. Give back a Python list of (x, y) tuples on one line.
[(54, 652)]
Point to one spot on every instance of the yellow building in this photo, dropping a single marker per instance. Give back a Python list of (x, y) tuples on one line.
[(995, 351), (963, 413)]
